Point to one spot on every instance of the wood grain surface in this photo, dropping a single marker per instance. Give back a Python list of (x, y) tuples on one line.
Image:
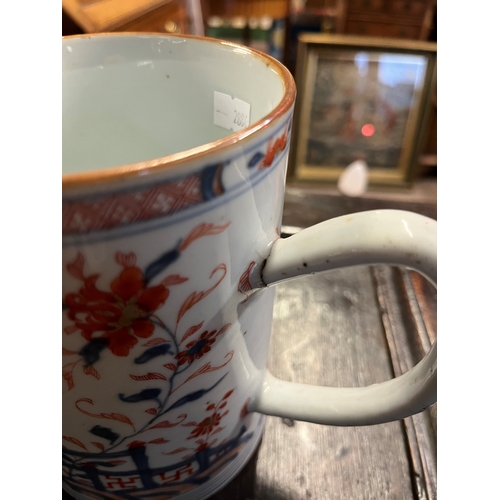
[(345, 328)]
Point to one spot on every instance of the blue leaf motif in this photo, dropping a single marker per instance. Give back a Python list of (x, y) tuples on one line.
[(144, 395), (91, 351), (153, 352), (105, 432), (193, 396), (211, 181), (160, 264), (256, 159)]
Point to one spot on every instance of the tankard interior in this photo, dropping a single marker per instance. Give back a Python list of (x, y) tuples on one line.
[(134, 99)]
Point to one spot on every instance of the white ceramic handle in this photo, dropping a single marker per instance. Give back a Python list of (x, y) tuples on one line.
[(375, 237)]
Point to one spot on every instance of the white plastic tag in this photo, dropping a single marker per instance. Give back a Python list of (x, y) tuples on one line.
[(231, 114)]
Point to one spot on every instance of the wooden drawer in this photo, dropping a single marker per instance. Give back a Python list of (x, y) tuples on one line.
[(382, 29), (367, 5), (408, 7)]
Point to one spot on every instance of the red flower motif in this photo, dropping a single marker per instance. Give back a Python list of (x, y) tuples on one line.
[(206, 426), (244, 410), (273, 149), (197, 348), (120, 316), (244, 284)]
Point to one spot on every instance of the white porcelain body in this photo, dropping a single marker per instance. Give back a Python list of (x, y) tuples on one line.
[(167, 308), (133, 413)]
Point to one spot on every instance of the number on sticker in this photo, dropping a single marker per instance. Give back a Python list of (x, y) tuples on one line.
[(239, 119), (230, 113)]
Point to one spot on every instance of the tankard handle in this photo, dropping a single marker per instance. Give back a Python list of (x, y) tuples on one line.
[(375, 237)]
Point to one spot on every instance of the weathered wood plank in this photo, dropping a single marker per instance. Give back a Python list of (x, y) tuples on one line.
[(306, 207), (328, 331), (401, 312)]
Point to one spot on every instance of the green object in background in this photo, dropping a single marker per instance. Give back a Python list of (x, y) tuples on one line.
[(230, 30), (264, 34), (260, 31)]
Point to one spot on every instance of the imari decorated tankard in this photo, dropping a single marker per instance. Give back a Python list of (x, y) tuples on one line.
[(174, 159)]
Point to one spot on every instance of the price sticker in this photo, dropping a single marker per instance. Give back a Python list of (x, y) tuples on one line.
[(230, 113)]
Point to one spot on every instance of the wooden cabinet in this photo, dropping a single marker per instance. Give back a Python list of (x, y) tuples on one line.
[(276, 9), (410, 19), (370, 28)]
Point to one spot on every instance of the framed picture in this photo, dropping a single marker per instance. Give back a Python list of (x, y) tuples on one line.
[(361, 98)]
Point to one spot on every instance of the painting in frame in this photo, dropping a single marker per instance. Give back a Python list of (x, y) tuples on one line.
[(361, 98)]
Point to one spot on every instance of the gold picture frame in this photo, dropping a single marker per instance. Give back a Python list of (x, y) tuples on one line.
[(361, 98)]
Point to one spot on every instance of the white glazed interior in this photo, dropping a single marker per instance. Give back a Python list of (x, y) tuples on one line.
[(167, 85)]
